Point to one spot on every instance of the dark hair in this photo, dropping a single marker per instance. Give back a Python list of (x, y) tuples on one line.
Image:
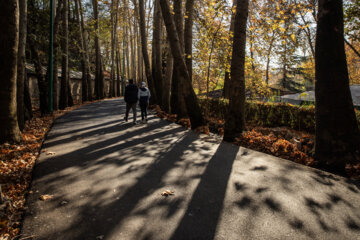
[(131, 81)]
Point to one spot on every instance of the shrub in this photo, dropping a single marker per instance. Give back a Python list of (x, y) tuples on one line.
[(267, 114)]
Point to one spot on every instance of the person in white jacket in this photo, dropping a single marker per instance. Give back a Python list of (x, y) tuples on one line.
[(144, 96)]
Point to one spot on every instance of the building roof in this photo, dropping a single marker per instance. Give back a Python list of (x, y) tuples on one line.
[(73, 74)]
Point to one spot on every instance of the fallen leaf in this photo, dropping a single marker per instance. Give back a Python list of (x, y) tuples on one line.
[(46, 197), (167, 193)]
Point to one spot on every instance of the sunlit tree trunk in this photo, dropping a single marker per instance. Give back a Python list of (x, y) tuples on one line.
[(63, 103), (235, 119), (145, 52), (9, 40), (227, 80), (337, 132), (84, 63), (188, 34), (191, 101), (157, 53)]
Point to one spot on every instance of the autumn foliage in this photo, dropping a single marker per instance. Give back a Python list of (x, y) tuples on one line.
[(16, 165)]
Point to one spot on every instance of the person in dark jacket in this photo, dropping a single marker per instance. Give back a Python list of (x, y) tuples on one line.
[(131, 98), (144, 96)]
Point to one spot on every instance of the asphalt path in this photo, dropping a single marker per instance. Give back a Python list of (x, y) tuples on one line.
[(105, 178)]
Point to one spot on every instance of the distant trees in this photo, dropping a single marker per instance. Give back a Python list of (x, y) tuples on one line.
[(337, 132)]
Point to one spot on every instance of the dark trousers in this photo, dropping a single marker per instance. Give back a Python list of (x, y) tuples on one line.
[(143, 110), (128, 106)]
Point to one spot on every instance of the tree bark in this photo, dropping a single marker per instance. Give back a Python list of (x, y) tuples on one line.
[(235, 119), (55, 56), (188, 35), (191, 101), (64, 98), (99, 75), (227, 80), (21, 68), (84, 63), (157, 53), (167, 80), (86, 52), (145, 52), (337, 132), (178, 105), (9, 40), (27, 100)]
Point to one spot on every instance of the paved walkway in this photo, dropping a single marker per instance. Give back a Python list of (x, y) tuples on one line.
[(106, 178)]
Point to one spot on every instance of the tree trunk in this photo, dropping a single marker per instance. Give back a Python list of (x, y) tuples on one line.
[(21, 70), (9, 40), (64, 98), (167, 80), (188, 35), (27, 100), (337, 132), (145, 52), (157, 53), (86, 53), (113, 32), (178, 105), (99, 75), (84, 66), (191, 101), (55, 56), (235, 119)]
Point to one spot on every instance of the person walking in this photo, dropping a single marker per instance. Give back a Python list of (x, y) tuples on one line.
[(131, 98), (144, 96)]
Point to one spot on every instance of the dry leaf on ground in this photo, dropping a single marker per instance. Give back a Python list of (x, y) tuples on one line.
[(46, 197), (167, 193)]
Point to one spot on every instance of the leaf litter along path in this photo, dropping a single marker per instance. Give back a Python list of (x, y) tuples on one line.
[(107, 177)]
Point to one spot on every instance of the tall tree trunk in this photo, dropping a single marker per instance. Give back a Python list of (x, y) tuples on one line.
[(118, 61), (64, 98), (337, 132), (191, 101), (41, 79), (9, 40), (157, 54), (84, 66), (178, 105), (27, 100), (227, 80), (235, 119), (188, 35), (99, 75), (167, 80), (21, 70), (133, 49), (267, 72), (86, 53), (145, 52), (55, 56)]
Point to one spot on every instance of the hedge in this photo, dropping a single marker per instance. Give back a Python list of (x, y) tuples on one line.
[(267, 114)]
